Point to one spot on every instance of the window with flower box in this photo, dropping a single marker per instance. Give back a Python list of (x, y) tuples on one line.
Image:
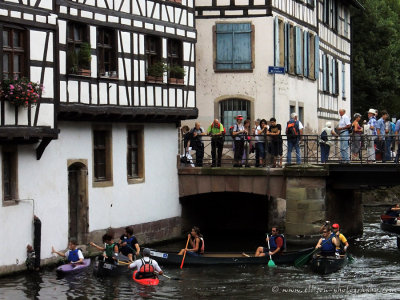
[(106, 52), (14, 53)]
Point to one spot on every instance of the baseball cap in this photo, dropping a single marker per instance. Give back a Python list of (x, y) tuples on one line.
[(239, 117), (335, 226)]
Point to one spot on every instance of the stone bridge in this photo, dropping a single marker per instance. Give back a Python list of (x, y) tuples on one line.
[(298, 197)]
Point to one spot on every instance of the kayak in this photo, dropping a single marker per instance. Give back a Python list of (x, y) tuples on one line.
[(387, 224), (327, 264), (145, 281), (73, 268), (219, 258), (102, 268)]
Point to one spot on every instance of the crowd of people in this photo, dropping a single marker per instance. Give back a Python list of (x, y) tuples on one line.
[(265, 138)]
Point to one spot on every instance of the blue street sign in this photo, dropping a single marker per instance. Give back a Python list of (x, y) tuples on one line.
[(276, 70)]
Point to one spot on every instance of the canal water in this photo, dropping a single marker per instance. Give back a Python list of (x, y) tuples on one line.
[(375, 274)]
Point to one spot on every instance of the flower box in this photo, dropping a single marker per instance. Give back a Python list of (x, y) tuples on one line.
[(20, 92)]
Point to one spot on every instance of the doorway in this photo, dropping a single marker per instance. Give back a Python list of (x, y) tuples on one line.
[(78, 205)]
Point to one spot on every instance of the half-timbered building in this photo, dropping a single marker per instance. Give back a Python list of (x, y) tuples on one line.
[(98, 149), (238, 40)]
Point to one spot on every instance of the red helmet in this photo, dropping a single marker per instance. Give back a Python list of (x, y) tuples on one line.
[(335, 226)]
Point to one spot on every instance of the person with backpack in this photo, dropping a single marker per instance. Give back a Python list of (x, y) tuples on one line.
[(217, 132), (326, 142), (196, 142), (277, 244), (293, 134), (238, 134), (146, 266)]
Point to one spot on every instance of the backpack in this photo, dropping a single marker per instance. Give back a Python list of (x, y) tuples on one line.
[(292, 130), (324, 136), (231, 130)]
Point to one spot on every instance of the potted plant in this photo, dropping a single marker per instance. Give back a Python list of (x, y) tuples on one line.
[(20, 92), (72, 63), (155, 72), (176, 74), (84, 59)]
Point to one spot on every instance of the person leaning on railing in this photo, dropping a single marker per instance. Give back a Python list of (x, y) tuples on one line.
[(217, 132), (371, 136), (397, 131), (327, 143), (357, 132)]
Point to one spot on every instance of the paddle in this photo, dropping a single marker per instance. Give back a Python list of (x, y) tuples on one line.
[(271, 263), (349, 257), (184, 254), (301, 261), (172, 278)]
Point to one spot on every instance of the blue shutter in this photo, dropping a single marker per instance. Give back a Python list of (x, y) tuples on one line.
[(305, 53), (276, 41), (324, 73), (333, 76), (224, 46), (287, 39), (242, 46), (298, 52), (343, 81), (316, 42), (330, 74)]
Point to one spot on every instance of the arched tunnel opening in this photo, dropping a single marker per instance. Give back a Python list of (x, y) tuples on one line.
[(229, 221)]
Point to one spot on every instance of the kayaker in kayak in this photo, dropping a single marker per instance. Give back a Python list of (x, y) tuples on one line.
[(196, 242), (393, 211), (73, 255), (110, 248), (276, 244), (327, 243), (146, 266), (343, 244), (129, 245)]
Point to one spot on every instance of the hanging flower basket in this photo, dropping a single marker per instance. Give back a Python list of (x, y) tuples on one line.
[(20, 92)]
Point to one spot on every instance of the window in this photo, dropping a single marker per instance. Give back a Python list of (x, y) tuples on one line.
[(9, 175), (153, 50), (174, 52), (301, 114), (135, 155), (106, 52), (292, 109), (77, 43), (14, 53), (230, 108), (102, 155), (233, 47)]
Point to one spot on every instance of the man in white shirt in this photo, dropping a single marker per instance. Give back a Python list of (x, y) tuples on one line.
[(146, 266), (343, 128)]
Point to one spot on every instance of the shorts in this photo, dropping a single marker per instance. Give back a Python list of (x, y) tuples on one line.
[(192, 253), (126, 250)]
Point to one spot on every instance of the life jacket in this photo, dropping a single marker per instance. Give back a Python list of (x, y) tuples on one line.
[(327, 245), (146, 270), (109, 249), (292, 129), (273, 245), (73, 255), (392, 213)]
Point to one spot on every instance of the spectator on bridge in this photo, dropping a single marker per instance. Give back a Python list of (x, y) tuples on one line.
[(380, 131), (239, 134), (247, 140), (217, 132), (274, 132), (371, 136), (293, 134), (356, 140), (259, 133), (389, 132), (196, 143), (343, 128), (326, 144), (397, 133)]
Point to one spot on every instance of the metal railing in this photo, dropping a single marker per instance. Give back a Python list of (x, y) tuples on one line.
[(359, 149)]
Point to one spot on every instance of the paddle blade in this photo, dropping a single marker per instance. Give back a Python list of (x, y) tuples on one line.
[(350, 258), (271, 264), (301, 261)]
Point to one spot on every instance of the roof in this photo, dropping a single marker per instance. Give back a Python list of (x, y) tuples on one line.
[(355, 3)]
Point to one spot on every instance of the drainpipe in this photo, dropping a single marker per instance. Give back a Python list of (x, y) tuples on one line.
[(273, 98)]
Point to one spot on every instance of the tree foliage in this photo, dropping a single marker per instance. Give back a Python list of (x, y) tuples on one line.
[(376, 57)]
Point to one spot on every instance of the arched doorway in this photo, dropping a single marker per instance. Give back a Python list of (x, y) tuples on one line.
[(78, 205)]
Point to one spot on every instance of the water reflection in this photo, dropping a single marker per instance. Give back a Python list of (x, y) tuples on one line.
[(373, 275)]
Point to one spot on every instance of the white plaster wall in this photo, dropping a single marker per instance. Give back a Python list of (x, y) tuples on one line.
[(256, 86), (122, 204)]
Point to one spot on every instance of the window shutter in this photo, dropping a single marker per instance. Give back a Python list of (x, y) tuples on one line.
[(298, 52), (333, 76), (305, 53), (276, 40), (316, 57), (224, 46), (242, 46), (324, 73), (343, 81), (287, 38)]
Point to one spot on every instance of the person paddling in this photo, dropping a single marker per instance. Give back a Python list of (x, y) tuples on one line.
[(146, 266), (343, 244), (73, 255), (393, 211), (110, 249), (327, 243), (276, 242), (196, 242)]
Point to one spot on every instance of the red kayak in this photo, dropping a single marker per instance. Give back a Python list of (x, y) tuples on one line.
[(145, 281)]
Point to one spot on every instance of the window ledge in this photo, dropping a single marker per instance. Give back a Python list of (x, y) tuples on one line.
[(105, 183), (233, 71), (135, 180), (79, 76), (9, 203)]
